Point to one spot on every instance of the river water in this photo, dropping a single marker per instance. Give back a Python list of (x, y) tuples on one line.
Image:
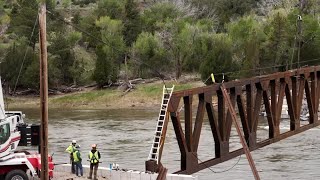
[(125, 137)]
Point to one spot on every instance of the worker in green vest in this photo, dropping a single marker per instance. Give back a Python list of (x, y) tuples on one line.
[(94, 157), (78, 161), (70, 149)]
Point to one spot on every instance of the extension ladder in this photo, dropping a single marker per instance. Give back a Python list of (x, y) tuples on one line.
[(156, 145)]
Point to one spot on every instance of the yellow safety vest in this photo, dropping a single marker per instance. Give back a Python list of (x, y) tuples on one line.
[(94, 158), (70, 148), (75, 156)]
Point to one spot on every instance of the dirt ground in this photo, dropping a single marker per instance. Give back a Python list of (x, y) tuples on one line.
[(69, 176)]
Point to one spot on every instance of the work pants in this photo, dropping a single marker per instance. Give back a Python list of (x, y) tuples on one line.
[(93, 167), (72, 166), (78, 166)]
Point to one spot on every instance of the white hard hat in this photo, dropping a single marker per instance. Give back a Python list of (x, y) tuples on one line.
[(74, 141), (94, 145)]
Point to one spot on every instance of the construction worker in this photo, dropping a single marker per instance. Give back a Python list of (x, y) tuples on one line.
[(71, 148), (78, 161), (94, 156)]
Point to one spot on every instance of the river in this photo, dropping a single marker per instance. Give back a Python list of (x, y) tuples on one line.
[(125, 137)]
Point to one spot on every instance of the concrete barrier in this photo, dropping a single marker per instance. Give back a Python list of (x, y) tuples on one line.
[(105, 172)]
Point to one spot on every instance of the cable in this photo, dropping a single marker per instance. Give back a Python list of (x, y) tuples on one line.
[(255, 69), (25, 55), (218, 171)]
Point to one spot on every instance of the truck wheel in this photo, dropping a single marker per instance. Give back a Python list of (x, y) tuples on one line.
[(16, 175)]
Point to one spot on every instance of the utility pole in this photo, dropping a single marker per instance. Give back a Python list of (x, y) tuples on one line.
[(298, 38), (43, 92), (299, 24), (126, 68)]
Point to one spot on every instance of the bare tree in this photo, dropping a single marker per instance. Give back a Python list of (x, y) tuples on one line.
[(187, 9)]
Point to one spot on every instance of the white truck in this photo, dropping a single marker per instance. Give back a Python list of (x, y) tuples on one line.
[(15, 165)]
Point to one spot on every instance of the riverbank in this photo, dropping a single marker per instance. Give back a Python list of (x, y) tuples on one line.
[(143, 96)]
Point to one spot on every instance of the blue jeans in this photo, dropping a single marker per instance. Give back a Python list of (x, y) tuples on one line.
[(78, 166)]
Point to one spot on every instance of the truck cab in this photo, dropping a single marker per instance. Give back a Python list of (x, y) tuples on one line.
[(14, 164)]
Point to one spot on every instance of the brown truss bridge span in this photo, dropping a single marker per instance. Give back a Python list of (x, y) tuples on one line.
[(247, 97)]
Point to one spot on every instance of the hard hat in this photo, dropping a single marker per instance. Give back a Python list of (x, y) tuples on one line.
[(93, 145), (74, 141)]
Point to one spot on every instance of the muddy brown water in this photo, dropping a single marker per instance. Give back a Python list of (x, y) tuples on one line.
[(125, 137)]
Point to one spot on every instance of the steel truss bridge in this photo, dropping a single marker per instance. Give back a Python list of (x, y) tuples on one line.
[(247, 96)]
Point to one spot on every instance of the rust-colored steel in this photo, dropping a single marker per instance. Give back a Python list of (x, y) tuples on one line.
[(162, 175), (248, 95), (242, 140)]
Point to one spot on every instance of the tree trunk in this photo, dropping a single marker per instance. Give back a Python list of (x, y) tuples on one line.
[(179, 67)]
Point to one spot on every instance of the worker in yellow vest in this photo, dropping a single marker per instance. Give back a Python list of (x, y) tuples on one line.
[(70, 149), (78, 161), (94, 157)]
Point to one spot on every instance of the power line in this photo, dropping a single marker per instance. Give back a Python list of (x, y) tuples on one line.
[(25, 55), (258, 69)]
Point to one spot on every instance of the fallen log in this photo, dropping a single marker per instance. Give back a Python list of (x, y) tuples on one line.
[(26, 92)]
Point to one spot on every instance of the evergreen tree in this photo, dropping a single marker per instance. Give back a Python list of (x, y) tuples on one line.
[(112, 8), (132, 22), (277, 47), (23, 17), (61, 49), (110, 55), (14, 59)]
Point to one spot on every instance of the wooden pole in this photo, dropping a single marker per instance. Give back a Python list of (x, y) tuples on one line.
[(126, 68), (242, 140), (43, 93), (299, 38)]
